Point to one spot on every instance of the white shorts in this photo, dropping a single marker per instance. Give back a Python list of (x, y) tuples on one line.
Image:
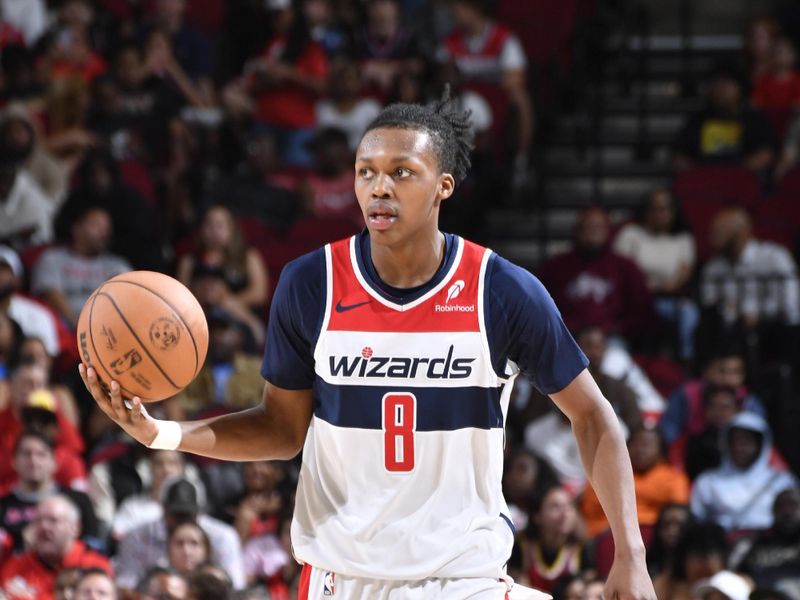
[(316, 584)]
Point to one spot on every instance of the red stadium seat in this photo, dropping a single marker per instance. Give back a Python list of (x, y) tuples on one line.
[(778, 219), (545, 28), (789, 184), (779, 119), (316, 231)]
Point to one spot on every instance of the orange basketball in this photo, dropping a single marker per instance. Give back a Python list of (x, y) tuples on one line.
[(146, 331)]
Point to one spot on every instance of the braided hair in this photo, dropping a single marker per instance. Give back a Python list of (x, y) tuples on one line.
[(448, 126)]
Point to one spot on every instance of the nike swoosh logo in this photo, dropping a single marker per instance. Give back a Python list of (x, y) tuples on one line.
[(345, 307)]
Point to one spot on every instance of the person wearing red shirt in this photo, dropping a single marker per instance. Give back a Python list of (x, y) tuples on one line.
[(31, 406), (55, 546), (779, 88)]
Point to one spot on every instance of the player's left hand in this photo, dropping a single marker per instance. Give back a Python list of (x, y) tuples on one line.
[(629, 580)]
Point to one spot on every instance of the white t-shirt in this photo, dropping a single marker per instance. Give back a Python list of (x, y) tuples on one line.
[(35, 321), (353, 123), (29, 17), (26, 213), (659, 256)]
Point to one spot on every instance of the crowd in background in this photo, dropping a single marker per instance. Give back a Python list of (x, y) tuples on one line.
[(214, 141)]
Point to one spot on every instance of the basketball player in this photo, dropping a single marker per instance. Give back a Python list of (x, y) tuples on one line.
[(389, 361)]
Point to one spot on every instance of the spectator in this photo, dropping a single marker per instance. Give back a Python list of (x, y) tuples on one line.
[(146, 546), (385, 48), (251, 193), (492, 63), (779, 88), (35, 465), (725, 368), (35, 320), (570, 587), (268, 558), (594, 589), (324, 27), (592, 285), (720, 406), (700, 553), (524, 479), (748, 282), (553, 549), (32, 350), (726, 131), (773, 558), (550, 438), (739, 494), (204, 586), (66, 277), (54, 546), (656, 482), (32, 406), (66, 582), (161, 583), (139, 509), (759, 42), (723, 586), (95, 584), (256, 511), (67, 137), (10, 341), (670, 527), (328, 189), (660, 244), (281, 87), (592, 341), (70, 53), (221, 245), (344, 108), (187, 548), (26, 212), (29, 18)]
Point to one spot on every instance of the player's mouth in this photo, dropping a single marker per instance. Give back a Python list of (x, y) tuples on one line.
[(381, 216)]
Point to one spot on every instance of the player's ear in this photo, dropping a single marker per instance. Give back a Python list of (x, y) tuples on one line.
[(445, 187)]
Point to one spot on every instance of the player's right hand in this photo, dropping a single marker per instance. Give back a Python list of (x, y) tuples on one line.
[(135, 421)]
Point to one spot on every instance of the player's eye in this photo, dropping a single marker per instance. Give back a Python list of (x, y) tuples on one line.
[(402, 172), (365, 173)]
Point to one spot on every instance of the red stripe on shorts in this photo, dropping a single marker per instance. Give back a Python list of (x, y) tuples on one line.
[(305, 582)]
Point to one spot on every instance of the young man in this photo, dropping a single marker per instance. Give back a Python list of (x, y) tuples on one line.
[(389, 361)]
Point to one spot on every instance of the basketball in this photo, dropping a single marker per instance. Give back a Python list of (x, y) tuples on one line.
[(146, 331)]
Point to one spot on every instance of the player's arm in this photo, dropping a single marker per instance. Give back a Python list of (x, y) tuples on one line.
[(274, 430), (608, 468)]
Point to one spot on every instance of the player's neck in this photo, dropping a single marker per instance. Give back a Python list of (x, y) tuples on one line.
[(411, 263)]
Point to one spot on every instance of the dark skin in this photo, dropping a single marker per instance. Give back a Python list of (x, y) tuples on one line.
[(400, 186)]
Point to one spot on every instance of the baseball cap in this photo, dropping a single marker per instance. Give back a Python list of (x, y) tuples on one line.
[(39, 406), (727, 583), (181, 498), (11, 258)]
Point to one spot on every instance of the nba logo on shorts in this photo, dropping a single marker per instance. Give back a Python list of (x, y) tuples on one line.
[(329, 585)]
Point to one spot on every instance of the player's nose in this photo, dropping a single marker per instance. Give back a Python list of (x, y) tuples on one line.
[(382, 187)]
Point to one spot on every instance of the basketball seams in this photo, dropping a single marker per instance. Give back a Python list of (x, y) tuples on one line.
[(136, 337), (94, 347), (197, 364)]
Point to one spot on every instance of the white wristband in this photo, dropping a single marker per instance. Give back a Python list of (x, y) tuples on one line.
[(168, 437)]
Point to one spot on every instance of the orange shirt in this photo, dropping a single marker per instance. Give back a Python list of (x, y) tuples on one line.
[(659, 486), (25, 577)]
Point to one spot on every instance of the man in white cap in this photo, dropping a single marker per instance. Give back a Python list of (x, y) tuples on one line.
[(34, 319), (725, 585)]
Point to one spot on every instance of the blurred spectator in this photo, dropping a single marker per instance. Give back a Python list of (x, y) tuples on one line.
[(720, 406), (663, 248), (550, 438), (32, 406), (256, 510), (739, 494), (701, 552), (779, 88), (570, 587), (221, 245), (552, 547), (773, 558), (29, 17), (280, 88), (95, 584), (385, 47), (146, 546), (592, 341), (54, 546), (205, 586), (187, 548), (594, 589), (343, 108), (686, 414), (32, 350), (26, 212), (723, 586), (726, 131), (325, 30), (67, 136), (161, 583), (250, 193), (268, 559), (35, 465), (748, 282), (66, 277), (10, 340), (759, 42), (35, 320), (592, 285), (524, 479), (657, 483), (670, 527), (140, 509), (66, 582), (327, 191), (69, 51), (492, 63)]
